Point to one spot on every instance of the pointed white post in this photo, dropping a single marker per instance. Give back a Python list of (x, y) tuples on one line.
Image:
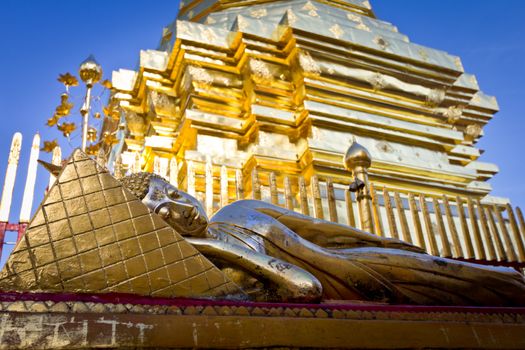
[(190, 174), (9, 184), (101, 158), (156, 165), (55, 160), (174, 172), (10, 176), (117, 168), (136, 164), (224, 186), (239, 184), (29, 190), (209, 186), (163, 167)]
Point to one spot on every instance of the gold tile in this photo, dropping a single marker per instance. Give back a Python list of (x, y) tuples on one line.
[(205, 263), (215, 279), (116, 274), (187, 250), (143, 224), (119, 212), (115, 196), (80, 223), (85, 241), (85, 168), (166, 237), (172, 253), (199, 284), (75, 206), (95, 281), (20, 263), (129, 196), (55, 211), (69, 267), (49, 277), (183, 289), (91, 184), (68, 173), (177, 271), (193, 265), (38, 219), (122, 287), (95, 201), (124, 229), (43, 254), (140, 284), (153, 260), (90, 260), (110, 254), (137, 208), (178, 290), (59, 230), (109, 182), (104, 235), (37, 235), (135, 266), (159, 279), (53, 196), (158, 222), (149, 242), (130, 247), (21, 245), (64, 248), (26, 280), (100, 218), (73, 285), (71, 189)]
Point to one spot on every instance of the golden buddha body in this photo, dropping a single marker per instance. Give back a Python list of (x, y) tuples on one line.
[(275, 254)]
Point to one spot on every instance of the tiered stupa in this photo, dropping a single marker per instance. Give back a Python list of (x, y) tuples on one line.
[(283, 86)]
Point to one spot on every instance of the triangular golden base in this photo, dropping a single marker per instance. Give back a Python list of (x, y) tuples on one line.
[(91, 234)]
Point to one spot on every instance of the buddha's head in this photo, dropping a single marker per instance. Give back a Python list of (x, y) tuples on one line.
[(180, 210)]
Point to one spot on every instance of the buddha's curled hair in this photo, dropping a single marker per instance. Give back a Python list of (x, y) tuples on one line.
[(138, 183)]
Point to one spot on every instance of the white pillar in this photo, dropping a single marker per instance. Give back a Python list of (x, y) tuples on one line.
[(10, 176), (29, 190)]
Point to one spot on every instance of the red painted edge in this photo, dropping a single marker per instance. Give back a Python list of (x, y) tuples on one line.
[(119, 298)]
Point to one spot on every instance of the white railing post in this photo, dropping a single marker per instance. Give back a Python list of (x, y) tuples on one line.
[(29, 190)]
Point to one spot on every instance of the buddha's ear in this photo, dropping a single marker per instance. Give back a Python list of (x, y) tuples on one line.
[(52, 168)]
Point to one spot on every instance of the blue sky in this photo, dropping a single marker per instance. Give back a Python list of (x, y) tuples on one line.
[(41, 39)]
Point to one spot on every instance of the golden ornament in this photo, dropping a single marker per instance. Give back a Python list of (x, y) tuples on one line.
[(49, 146)]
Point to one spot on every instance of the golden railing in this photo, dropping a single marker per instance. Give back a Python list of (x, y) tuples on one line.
[(454, 227)]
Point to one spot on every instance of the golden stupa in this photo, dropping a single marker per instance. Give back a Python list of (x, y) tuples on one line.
[(270, 95)]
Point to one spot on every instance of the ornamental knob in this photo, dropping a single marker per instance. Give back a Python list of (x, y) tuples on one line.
[(357, 155), (90, 71)]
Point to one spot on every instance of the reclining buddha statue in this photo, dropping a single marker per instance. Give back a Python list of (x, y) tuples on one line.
[(276, 254)]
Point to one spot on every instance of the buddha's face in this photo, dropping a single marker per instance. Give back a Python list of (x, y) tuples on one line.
[(180, 210)]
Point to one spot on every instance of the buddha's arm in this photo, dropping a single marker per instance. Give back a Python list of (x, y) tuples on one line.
[(325, 233), (293, 283), (332, 235)]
